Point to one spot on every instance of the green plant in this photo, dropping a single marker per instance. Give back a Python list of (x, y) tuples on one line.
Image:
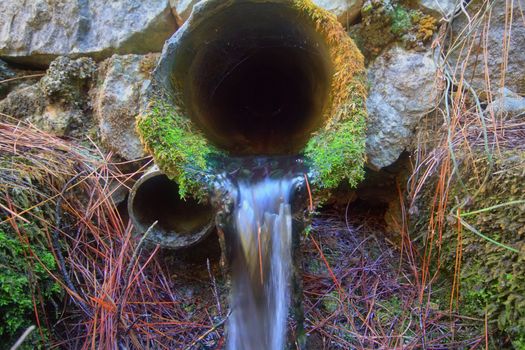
[(24, 279)]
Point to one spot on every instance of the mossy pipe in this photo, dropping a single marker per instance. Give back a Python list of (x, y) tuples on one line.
[(180, 223), (257, 77)]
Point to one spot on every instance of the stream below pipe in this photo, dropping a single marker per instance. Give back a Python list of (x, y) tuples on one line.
[(261, 268)]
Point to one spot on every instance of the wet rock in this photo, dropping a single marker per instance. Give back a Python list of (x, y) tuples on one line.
[(36, 32), (122, 82), (403, 89), (347, 11), (507, 105), (493, 46)]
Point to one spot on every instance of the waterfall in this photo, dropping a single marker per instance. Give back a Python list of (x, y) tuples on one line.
[(261, 264)]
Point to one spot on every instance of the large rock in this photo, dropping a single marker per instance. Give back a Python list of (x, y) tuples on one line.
[(120, 92), (492, 44), (403, 90), (35, 32), (347, 11)]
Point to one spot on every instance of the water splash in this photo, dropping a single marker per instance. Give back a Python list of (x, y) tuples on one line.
[(261, 265)]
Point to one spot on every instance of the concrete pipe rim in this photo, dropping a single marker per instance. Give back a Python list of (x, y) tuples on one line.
[(163, 235)]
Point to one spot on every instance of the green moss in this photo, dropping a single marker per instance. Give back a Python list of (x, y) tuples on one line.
[(337, 152), (401, 21), (177, 147), (23, 276), (331, 302), (492, 278)]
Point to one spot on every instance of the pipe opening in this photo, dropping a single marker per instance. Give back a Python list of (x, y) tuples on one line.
[(180, 222), (255, 78)]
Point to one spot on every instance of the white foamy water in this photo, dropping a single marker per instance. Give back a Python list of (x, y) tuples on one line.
[(261, 266)]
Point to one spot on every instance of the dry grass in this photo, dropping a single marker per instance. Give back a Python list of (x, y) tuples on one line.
[(361, 293), (119, 294)]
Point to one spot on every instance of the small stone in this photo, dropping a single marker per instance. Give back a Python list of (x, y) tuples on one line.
[(24, 102), (439, 8), (67, 80), (57, 120), (507, 104)]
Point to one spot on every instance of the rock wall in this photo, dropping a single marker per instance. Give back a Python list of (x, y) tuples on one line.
[(405, 74)]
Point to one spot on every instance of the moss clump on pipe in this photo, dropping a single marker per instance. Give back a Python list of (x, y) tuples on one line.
[(180, 151), (336, 152)]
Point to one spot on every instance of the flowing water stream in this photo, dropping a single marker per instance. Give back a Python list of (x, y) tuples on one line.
[(261, 263)]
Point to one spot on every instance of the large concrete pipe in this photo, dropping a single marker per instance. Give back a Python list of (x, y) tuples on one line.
[(180, 223), (257, 77)]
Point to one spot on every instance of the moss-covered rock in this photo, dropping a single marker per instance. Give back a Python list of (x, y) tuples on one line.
[(492, 223), (387, 21)]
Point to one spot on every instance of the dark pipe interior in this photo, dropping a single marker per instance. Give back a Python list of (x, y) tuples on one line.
[(158, 199), (255, 78)]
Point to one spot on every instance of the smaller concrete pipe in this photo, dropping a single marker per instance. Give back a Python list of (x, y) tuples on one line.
[(181, 223)]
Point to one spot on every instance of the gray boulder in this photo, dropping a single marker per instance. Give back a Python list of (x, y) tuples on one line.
[(117, 99), (35, 32), (403, 89), (493, 45)]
